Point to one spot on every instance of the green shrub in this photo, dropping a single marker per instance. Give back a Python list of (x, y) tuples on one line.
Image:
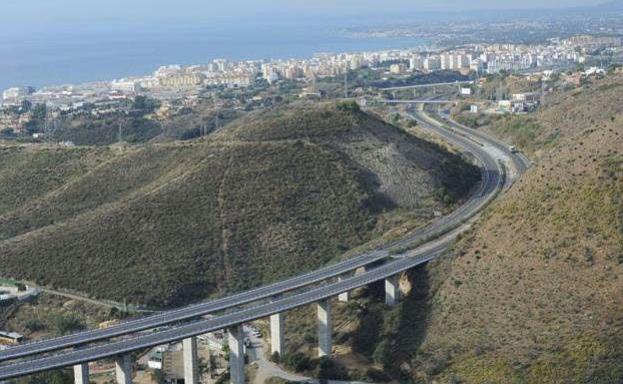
[(297, 362), (34, 324), (50, 377), (383, 353), (275, 357), (328, 369), (67, 323), (348, 106)]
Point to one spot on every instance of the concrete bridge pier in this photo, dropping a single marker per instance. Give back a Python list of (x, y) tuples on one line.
[(123, 369), (235, 336), (191, 362), (392, 290), (81, 373), (324, 328), (276, 334)]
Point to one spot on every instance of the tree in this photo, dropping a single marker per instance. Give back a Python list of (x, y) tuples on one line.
[(297, 362), (39, 112), (328, 369), (25, 106), (34, 324), (50, 377), (144, 104), (67, 323), (275, 357), (383, 353), (347, 106), (32, 127), (395, 118)]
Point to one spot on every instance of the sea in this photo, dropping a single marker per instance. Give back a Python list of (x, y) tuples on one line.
[(79, 55)]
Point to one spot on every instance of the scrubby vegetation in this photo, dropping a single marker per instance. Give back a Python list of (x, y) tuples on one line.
[(269, 196), (522, 131), (50, 315), (565, 114), (51, 377), (141, 125), (533, 293), (27, 174)]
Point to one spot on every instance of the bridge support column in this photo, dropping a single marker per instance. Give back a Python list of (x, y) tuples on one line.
[(276, 334), (345, 296), (123, 369), (81, 373), (236, 354), (392, 290), (191, 363), (324, 328)]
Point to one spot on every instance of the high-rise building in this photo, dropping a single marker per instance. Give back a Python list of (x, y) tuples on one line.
[(416, 63), (432, 63), (446, 61), (221, 64)]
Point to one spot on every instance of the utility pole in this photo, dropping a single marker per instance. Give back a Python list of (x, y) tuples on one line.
[(346, 84), (51, 127), (46, 125)]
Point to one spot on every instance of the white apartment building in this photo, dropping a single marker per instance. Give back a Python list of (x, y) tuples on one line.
[(125, 86)]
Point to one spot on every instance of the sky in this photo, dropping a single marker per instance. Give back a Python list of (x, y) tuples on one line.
[(20, 15)]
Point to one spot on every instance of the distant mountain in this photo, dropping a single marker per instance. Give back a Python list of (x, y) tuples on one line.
[(273, 195), (615, 5)]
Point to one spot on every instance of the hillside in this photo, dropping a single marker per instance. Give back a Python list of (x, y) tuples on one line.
[(533, 294), (274, 195), (566, 114), (141, 127)]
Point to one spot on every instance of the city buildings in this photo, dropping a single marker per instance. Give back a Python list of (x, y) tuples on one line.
[(172, 82)]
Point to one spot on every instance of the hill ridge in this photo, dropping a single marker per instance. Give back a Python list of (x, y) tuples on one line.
[(167, 224)]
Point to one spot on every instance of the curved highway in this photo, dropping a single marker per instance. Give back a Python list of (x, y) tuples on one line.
[(491, 183), (520, 162), (193, 311)]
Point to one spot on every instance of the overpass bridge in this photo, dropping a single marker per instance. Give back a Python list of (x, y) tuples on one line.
[(419, 101), (273, 300), (430, 85)]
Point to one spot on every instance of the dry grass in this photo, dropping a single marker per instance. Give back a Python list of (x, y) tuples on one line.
[(534, 293)]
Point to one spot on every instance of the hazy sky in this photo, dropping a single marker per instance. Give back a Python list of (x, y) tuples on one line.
[(21, 14)]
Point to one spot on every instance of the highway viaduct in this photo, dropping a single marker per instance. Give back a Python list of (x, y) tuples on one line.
[(338, 283)]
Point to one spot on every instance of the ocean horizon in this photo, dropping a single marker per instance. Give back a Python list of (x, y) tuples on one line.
[(46, 59)]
